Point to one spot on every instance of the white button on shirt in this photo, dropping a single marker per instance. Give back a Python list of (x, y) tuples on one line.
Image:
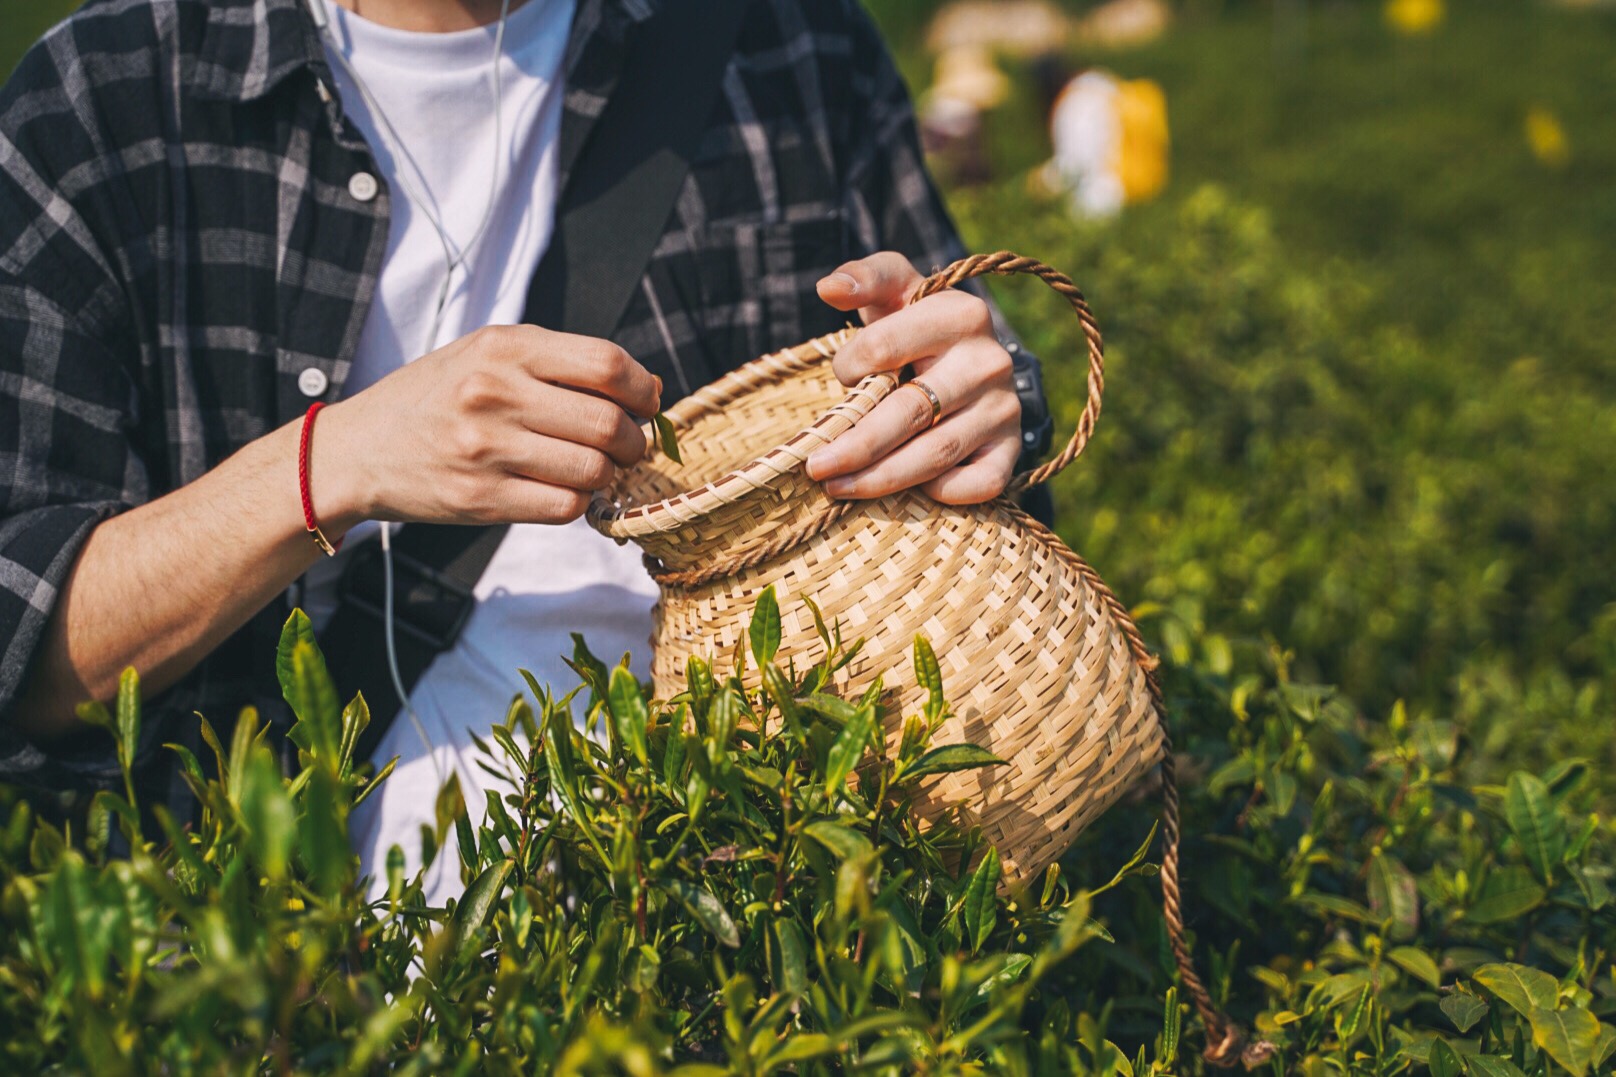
[(313, 382), (544, 582), (363, 186)]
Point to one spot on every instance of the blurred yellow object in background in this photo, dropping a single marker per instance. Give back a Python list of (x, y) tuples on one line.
[(1110, 140), (1141, 161), (1413, 17), (1547, 137)]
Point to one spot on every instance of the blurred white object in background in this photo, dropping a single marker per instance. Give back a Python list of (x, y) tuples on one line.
[(1018, 27), (966, 84), (1123, 23), (1111, 142)]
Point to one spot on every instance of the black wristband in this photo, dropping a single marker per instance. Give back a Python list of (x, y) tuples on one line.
[(1037, 425)]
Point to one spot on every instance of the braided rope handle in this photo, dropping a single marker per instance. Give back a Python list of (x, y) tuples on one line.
[(1226, 1042), (1005, 264)]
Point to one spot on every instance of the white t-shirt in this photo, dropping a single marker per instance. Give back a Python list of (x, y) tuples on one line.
[(436, 90)]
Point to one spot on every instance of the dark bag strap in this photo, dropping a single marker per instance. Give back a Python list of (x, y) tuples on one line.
[(609, 217)]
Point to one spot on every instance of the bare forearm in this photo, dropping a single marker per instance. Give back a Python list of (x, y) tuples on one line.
[(510, 424), (162, 585)]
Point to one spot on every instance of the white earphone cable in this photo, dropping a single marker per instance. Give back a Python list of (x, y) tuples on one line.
[(452, 261)]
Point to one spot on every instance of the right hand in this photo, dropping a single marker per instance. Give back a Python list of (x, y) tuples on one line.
[(509, 424)]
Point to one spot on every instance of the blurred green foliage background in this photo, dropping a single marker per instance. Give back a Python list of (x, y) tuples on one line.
[(1363, 399)]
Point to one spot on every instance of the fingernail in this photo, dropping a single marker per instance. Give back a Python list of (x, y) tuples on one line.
[(658, 385), (839, 487), (843, 281)]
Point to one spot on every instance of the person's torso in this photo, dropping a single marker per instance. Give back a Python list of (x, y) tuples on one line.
[(466, 138)]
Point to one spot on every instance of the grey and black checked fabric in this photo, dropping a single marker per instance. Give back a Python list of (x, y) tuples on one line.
[(178, 244)]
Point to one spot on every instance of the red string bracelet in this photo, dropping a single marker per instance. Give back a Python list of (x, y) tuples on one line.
[(327, 547)]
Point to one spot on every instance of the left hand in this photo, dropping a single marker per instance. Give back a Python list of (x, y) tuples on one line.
[(970, 455)]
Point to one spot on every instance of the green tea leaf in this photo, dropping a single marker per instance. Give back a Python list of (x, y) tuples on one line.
[(764, 631), (1522, 989), (355, 718), (1332, 905), (1132, 862), (590, 669), (790, 959), (980, 909), (847, 749), (708, 910), (297, 629), (128, 717), (1393, 895), (1172, 1023), (471, 915), (930, 677), (782, 692), (1492, 1066), (1569, 1036), (1507, 894), (1444, 1060), (1417, 963), (1536, 822), (1606, 1045), (269, 814), (844, 842), (1591, 888), (801, 1047), (314, 700), (949, 758), (667, 437), (699, 683), (630, 718), (323, 833)]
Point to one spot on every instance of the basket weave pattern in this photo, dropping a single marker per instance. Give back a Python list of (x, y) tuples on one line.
[(1040, 662)]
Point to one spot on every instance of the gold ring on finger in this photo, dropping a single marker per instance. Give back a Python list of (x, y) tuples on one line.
[(931, 395)]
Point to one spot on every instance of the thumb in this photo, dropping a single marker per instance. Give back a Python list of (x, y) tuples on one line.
[(875, 286)]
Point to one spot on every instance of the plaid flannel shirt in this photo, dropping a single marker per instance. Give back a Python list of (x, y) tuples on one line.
[(180, 247)]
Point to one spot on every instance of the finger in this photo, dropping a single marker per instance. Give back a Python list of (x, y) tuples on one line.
[(588, 363), (982, 477), (523, 501), (875, 286), (561, 463), (925, 457), (960, 375), (929, 328), (571, 416)]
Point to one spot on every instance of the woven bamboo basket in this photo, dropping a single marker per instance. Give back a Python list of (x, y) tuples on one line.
[(1041, 662)]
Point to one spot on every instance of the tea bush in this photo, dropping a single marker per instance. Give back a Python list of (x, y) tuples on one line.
[(1363, 385), (734, 881), (1273, 464)]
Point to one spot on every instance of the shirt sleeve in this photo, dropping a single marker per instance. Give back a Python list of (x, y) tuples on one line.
[(893, 204), (67, 392)]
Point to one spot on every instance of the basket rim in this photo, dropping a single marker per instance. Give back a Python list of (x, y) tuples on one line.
[(761, 472)]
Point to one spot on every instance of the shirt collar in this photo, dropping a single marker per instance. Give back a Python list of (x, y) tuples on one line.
[(250, 46)]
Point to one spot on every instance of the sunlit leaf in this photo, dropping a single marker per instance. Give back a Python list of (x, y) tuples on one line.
[(764, 630), (1523, 989), (474, 910), (1570, 1036), (1416, 963), (630, 717), (950, 758), (667, 437), (980, 910)]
